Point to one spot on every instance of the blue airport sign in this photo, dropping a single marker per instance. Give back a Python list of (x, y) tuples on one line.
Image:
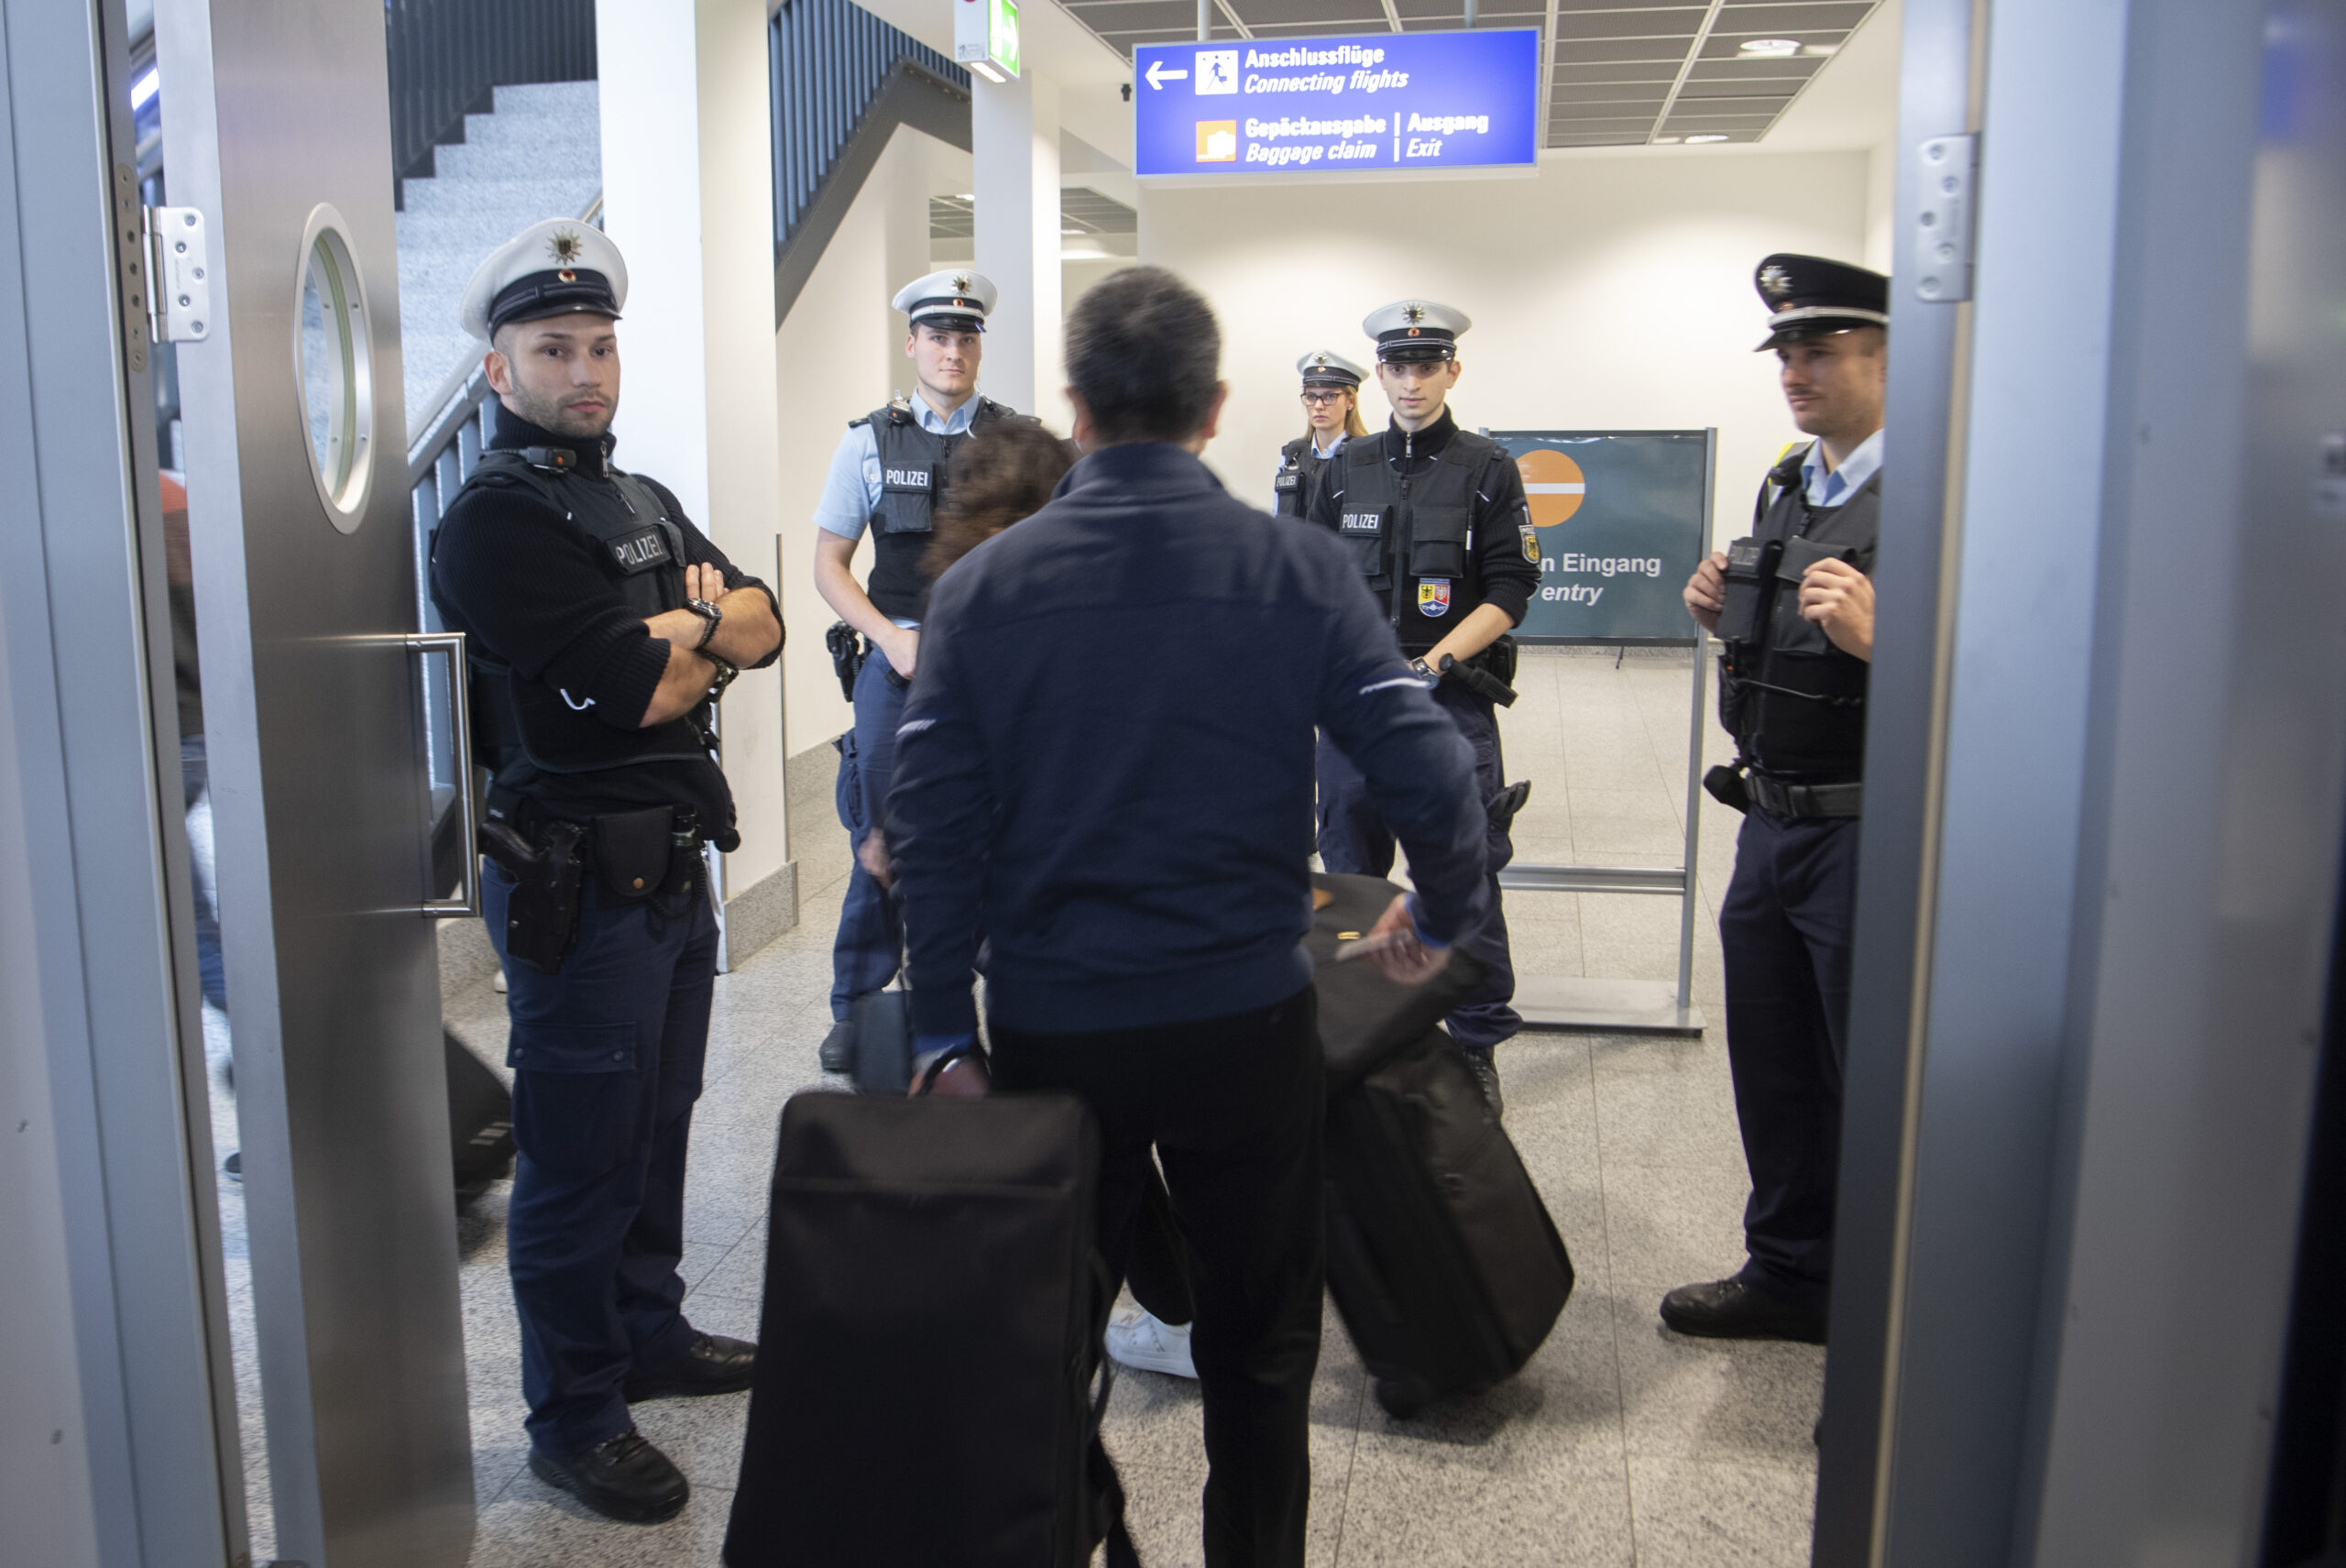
[(1381, 101)]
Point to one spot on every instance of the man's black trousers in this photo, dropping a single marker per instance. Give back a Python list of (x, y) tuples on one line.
[(1785, 932), (606, 1058), (1233, 1108)]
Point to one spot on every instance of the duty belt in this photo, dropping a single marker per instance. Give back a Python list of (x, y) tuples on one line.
[(1805, 800)]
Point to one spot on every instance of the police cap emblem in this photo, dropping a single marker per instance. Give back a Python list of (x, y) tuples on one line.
[(565, 246)]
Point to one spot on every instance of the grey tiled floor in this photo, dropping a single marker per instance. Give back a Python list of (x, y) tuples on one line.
[(1620, 1443)]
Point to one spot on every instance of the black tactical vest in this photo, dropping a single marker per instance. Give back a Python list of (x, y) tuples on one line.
[(1298, 481), (519, 723), (1413, 537), (912, 481), (1794, 703)]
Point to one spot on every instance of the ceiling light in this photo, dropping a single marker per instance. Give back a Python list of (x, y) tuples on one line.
[(1771, 47), (1707, 136), (1668, 141), (986, 70)]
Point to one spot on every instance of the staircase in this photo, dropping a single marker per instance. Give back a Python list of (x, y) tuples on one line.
[(538, 155)]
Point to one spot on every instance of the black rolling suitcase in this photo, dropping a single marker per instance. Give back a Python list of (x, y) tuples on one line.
[(480, 1121), (934, 1307), (1440, 1256)]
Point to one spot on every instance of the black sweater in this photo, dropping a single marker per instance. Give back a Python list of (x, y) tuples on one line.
[(533, 593), (1105, 763)]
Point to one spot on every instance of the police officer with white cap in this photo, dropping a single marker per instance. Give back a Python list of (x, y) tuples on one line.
[(602, 627), (1330, 418), (887, 475), (1437, 520), (1792, 607)]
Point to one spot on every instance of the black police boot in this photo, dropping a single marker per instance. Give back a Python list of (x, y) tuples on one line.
[(715, 1365), (1480, 1061), (838, 1052), (1734, 1308), (625, 1479)]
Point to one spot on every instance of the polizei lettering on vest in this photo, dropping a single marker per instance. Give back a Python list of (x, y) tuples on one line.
[(912, 479), (640, 550)]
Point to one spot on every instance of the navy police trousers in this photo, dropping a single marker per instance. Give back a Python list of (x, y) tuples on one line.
[(1354, 840), (1785, 932), (870, 946), (607, 1063)]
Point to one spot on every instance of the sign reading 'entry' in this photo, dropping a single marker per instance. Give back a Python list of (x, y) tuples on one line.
[(1621, 517), (1383, 102)]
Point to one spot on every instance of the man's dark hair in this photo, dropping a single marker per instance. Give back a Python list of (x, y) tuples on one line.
[(1144, 354)]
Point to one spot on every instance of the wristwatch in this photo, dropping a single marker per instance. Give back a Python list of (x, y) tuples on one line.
[(710, 615), (1424, 671), (725, 674)]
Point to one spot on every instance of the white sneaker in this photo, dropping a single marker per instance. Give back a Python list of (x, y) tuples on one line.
[(1137, 1340)]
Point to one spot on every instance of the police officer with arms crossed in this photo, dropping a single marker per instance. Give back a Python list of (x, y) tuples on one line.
[(1435, 520), (603, 626), (1794, 608), (1332, 417), (888, 474)]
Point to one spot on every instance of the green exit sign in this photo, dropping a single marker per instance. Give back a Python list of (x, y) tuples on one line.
[(985, 37)]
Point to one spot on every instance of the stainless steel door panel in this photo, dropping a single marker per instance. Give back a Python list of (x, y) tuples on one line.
[(319, 794)]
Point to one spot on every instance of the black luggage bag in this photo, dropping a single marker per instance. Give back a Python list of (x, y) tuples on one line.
[(480, 1121), (934, 1306), (1442, 1258)]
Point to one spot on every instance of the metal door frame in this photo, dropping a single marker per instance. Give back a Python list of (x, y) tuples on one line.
[(148, 1437), (2073, 1082)]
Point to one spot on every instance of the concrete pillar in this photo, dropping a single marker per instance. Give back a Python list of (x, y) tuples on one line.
[(688, 196), (1014, 149)]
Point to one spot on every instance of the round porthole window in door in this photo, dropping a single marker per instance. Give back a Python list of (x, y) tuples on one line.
[(333, 366)]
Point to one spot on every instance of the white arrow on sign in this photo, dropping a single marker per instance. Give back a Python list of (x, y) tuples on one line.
[(1158, 76)]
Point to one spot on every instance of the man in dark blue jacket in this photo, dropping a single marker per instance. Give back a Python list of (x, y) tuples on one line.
[(1105, 767)]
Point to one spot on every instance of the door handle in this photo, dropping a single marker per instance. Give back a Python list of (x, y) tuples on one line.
[(460, 725)]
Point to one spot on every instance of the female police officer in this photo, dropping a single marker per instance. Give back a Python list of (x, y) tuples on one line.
[(603, 626), (1436, 521), (1331, 417)]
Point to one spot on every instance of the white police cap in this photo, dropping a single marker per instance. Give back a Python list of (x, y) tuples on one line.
[(956, 300), (560, 266), (1325, 368), (1416, 330)]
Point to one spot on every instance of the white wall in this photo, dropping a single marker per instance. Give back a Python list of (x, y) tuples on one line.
[(839, 354), (688, 188), (1609, 292)]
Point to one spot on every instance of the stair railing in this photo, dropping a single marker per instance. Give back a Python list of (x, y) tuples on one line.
[(843, 80), (446, 55)]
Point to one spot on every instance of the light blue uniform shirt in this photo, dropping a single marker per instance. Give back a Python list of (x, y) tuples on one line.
[(852, 488), (1831, 490)]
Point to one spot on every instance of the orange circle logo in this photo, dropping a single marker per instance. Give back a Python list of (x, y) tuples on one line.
[(1554, 484)]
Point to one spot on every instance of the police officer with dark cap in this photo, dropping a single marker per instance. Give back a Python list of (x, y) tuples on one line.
[(1436, 520), (1793, 607), (602, 627), (888, 475), (1332, 417)]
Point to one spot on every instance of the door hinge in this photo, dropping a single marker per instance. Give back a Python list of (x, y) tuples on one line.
[(130, 247), (179, 272), (1946, 170)]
